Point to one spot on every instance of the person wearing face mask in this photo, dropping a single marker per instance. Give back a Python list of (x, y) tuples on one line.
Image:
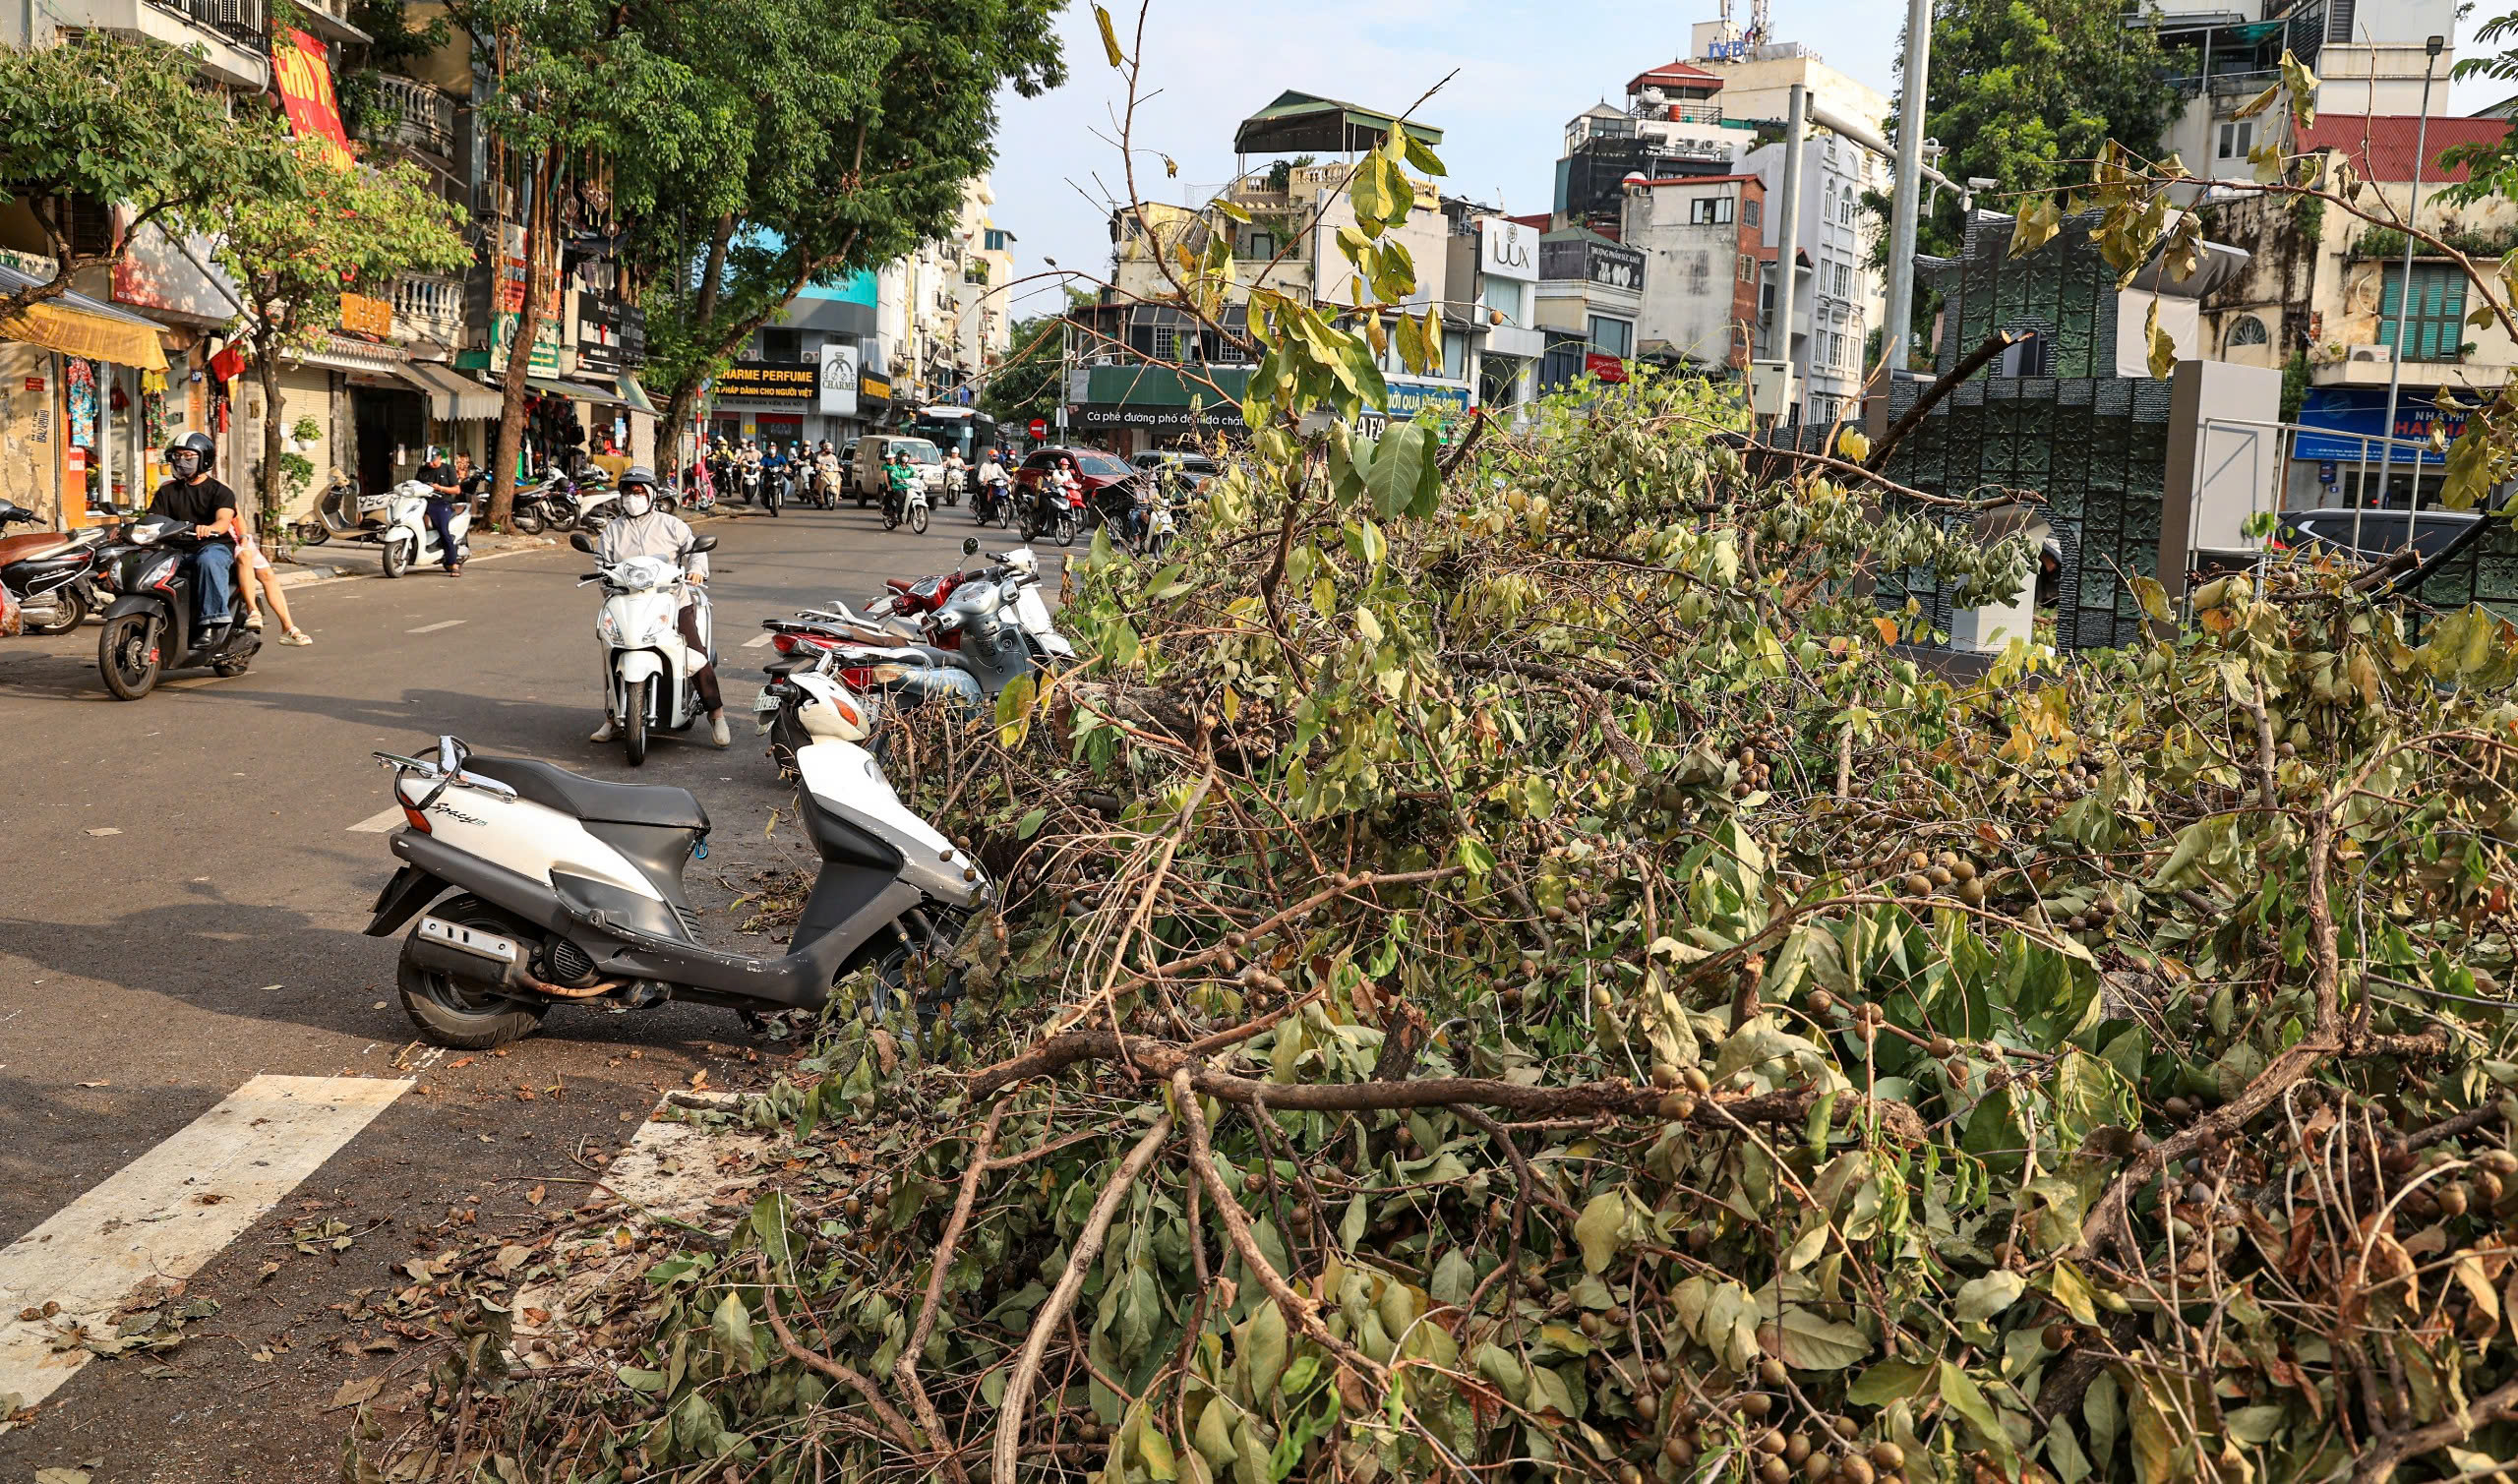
[(639, 529), (193, 495)]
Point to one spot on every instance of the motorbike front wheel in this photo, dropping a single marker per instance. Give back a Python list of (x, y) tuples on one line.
[(398, 558), (918, 519), (459, 1013), (633, 721), (1066, 528), (127, 656), (311, 532)]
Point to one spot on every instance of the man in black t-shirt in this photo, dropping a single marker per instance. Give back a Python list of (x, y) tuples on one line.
[(446, 487), (193, 495)]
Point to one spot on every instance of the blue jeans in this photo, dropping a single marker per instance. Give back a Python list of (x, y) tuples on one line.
[(215, 580), (441, 520)]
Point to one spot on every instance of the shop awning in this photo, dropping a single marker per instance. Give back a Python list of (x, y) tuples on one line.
[(636, 397), (453, 398), (575, 390), (77, 326)]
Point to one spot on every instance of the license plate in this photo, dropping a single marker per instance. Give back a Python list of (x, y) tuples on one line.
[(764, 702)]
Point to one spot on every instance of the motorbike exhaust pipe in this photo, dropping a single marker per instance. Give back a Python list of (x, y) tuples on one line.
[(468, 953)]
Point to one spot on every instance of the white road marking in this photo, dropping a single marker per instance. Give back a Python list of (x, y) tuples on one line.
[(434, 627), (168, 1212), (763, 643), (379, 822)]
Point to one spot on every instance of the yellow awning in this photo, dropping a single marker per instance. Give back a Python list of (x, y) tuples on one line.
[(76, 332)]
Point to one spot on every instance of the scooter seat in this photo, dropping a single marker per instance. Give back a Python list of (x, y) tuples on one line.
[(593, 798)]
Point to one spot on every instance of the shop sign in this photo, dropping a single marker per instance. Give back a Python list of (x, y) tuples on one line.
[(1506, 249), (2335, 420), (545, 359), (1410, 397), (1212, 416), (305, 82), (1607, 368), (361, 315), (839, 377), (610, 335), (769, 381), (1601, 263), (873, 388)]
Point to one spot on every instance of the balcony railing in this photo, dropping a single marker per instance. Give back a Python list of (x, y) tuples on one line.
[(245, 21), (429, 309), (420, 116)]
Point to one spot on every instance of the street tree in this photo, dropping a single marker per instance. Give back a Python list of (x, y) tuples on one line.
[(868, 119), (324, 230), (1026, 385), (2025, 92), (105, 120)]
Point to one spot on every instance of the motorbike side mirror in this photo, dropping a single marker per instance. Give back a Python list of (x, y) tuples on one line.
[(970, 545), (579, 542), (704, 544)]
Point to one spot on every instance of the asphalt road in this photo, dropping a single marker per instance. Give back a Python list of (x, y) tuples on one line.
[(182, 896)]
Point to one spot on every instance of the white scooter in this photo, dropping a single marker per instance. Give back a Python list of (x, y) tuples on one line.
[(408, 538), (569, 890), (647, 665)]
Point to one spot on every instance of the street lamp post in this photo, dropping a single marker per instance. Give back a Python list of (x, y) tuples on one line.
[(1907, 189), (2404, 304)]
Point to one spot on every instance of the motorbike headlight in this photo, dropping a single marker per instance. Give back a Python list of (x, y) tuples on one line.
[(638, 579), (160, 572)]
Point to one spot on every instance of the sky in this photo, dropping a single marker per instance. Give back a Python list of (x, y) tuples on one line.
[(1522, 70)]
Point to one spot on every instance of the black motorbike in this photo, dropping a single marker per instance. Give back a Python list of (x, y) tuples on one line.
[(773, 488), (150, 628), (52, 576)]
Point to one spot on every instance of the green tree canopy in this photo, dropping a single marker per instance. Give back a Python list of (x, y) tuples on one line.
[(2027, 91), (120, 121)]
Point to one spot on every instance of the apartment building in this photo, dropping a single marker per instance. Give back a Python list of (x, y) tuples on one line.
[(1703, 239)]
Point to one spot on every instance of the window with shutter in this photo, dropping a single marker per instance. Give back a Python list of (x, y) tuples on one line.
[(2434, 315)]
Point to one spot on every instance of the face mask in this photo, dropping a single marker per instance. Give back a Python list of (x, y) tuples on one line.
[(187, 463), (635, 505)]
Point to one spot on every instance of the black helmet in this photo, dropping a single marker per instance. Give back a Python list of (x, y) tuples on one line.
[(194, 442), (638, 474)]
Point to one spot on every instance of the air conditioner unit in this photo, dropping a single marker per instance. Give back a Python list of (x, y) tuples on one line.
[(2380, 354)]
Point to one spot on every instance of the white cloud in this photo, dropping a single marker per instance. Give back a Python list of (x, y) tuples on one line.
[(1522, 70)]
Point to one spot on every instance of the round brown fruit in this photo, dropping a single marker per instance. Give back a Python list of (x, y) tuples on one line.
[(1888, 1456), (1679, 1451), (1771, 1371), (1795, 1448), (1855, 1471), (1648, 1406), (1774, 1471), (1757, 1405)]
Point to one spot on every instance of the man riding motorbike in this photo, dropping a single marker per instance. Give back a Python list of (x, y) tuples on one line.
[(899, 475), (993, 481), (639, 529), (191, 495)]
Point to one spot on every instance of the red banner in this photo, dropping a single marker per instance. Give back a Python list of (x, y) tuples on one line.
[(1607, 368), (305, 81)]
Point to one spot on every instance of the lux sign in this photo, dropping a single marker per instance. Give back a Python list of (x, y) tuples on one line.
[(1508, 250)]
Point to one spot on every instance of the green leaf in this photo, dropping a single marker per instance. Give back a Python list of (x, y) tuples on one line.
[(1263, 1349), (1402, 464), (1889, 1381), (731, 1326), (1602, 1228), (1963, 1396), (1811, 1343), (1987, 1297), (2070, 1291), (1455, 1279), (1030, 824)]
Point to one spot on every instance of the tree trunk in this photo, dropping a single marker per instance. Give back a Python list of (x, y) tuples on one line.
[(538, 217), (267, 372), (677, 407)]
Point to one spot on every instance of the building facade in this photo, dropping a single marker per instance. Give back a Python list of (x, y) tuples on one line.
[(1705, 268)]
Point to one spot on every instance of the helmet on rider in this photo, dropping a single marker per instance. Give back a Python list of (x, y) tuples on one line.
[(191, 455), (638, 491)]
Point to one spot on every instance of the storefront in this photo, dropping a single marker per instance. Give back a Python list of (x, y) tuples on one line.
[(2340, 452), (1128, 409), (86, 384)]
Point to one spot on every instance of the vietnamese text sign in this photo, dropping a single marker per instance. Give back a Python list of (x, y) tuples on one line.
[(791, 381), (305, 82)]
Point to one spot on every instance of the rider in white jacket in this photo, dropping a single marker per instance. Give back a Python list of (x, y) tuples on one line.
[(639, 529)]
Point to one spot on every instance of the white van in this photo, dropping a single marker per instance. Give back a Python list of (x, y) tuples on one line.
[(865, 476)]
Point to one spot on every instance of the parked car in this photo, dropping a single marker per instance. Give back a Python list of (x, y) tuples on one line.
[(1184, 469), (865, 477)]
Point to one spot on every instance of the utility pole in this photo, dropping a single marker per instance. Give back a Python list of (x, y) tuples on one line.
[(2404, 302), (1796, 134), (1907, 191)]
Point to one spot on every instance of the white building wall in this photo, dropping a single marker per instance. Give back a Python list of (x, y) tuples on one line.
[(1841, 298)]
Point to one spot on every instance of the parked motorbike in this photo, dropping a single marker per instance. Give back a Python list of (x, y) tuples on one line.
[(52, 576), (990, 626), (551, 503), (345, 510), (569, 890), (648, 664), (150, 628), (409, 538)]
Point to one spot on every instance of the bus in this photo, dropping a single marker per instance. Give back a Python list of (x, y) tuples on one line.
[(967, 430)]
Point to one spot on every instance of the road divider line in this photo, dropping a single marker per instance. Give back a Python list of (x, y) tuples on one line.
[(379, 822), (434, 627), (166, 1214), (764, 641)]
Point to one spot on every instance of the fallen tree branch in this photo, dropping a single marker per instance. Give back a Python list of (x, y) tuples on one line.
[(1943, 385), (2378, 1459), (1044, 1324), (905, 1370), (839, 1371)]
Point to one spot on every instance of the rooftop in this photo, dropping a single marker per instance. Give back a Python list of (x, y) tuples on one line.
[(2382, 147), (1305, 121), (1675, 75)]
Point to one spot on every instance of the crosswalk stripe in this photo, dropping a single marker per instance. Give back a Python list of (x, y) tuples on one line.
[(379, 822), (764, 641), (434, 627), (167, 1213)]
